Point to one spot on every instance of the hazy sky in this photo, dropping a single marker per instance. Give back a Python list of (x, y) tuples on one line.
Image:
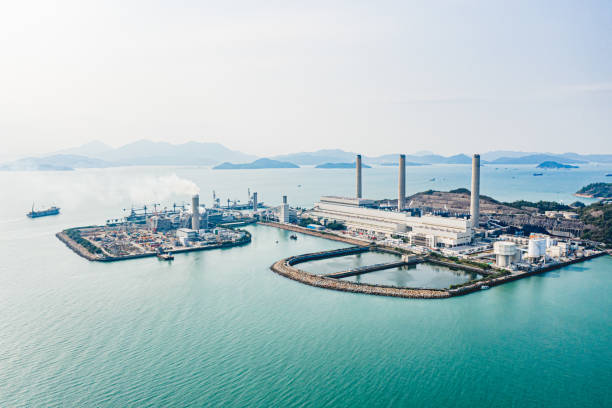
[(270, 77)]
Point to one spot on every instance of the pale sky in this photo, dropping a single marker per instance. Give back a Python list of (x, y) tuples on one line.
[(272, 77)]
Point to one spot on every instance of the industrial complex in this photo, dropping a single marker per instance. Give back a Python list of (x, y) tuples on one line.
[(420, 229), (491, 250), (161, 234)]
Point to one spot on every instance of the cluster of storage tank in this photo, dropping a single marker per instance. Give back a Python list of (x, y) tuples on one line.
[(538, 247)]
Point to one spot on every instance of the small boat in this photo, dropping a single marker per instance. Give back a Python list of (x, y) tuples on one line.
[(538, 174), (167, 256), (293, 236), (484, 287), (277, 241)]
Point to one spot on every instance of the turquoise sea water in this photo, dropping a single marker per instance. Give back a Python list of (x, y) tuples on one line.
[(424, 275), (218, 328), (342, 263)]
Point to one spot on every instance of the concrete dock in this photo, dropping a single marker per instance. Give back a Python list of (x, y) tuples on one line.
[(371, 268)]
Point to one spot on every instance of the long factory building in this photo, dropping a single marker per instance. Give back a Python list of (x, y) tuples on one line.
[(426, 230)]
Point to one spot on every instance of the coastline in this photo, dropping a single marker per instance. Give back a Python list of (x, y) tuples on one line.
[(284, 267)]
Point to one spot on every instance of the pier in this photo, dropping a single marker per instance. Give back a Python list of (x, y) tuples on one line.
[(372, 268), (328, 254)]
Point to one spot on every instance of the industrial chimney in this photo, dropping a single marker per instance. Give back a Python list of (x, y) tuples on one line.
[(284, 214), (358, 168), (255, 201), (401, 199), (475, 199), (195, 212)]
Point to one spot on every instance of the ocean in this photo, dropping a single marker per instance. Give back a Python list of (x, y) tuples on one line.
[(218, 328)]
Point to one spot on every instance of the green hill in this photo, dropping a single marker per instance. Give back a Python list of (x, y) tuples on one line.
[(601, 191)]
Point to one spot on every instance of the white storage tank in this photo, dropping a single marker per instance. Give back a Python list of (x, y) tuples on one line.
[(506, 253), (536, 247)]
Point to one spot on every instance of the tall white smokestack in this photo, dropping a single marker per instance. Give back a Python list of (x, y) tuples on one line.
[(358, 168), (195, 212), (401, 198), (475, 198)]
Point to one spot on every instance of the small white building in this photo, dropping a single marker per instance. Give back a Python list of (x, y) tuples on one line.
[(186, 233)]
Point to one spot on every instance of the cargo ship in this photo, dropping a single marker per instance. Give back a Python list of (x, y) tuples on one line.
[(43, 213)]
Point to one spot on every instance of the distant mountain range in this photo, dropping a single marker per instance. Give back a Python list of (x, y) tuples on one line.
[(341, 156), (341, 166), (56, 162), (144, 152), (535, 159), (407, 164), (257, 164)]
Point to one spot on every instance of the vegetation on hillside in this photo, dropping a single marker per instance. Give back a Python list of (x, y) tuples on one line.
[(540, 205), (597, 190), (598, 220), (460, 191)]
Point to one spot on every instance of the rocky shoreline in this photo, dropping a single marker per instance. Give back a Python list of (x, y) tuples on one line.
[(284, 269)]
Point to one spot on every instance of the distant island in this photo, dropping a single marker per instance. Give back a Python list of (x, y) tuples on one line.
[(600, 191), (257, 164), (555, 165), (536, 158), (407, 164), (340, 166)]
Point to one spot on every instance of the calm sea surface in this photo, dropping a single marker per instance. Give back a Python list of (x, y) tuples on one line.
[(218, 328)]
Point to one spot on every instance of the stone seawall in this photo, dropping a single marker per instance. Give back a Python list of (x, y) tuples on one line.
[(78, 249), (284, 268)]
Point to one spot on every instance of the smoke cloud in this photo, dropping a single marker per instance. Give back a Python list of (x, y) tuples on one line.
[(75, 189)]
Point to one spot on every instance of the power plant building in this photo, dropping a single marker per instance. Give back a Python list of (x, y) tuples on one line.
[(428, 230)]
